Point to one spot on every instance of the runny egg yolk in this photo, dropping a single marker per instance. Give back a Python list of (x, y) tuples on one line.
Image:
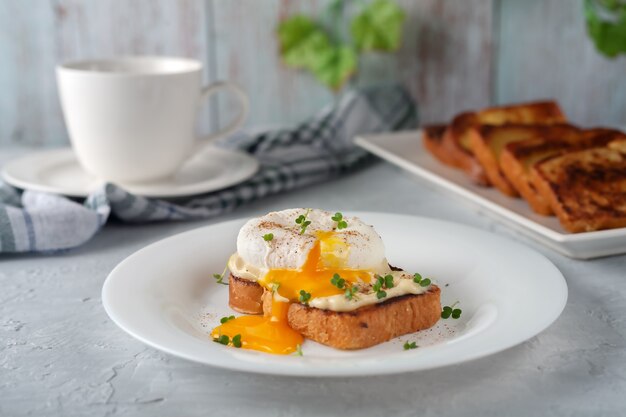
[(272, 333)]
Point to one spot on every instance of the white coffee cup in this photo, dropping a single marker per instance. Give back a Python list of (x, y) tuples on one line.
[(133, 119)]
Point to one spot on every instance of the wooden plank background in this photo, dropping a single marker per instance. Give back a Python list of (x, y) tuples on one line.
[(456, 54)]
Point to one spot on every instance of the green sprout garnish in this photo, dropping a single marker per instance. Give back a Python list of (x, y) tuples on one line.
[(341, 223), (417, 278), (275, 287), (338, 282), (268, 237), (225, 319), (350, 293), (411, 345), (223, 340), (219, 278), (303, 222), (237, 341), (305, 297), (382, 282), (450, 311), (298, 351), (389, 281)]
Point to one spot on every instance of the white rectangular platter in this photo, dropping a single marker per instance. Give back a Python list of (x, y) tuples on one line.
[(405, 150)]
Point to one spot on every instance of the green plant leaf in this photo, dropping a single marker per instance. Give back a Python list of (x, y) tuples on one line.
[(334, 66), (378, 27), (608, 34), (301, 39), (305, 45)]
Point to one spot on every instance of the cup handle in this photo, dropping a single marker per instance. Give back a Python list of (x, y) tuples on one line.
[(244, 106)]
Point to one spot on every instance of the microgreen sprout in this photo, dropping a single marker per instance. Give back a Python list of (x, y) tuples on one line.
[(341, 223), (304, 297), (268, 237), (225, 319), (303, 222), (450, 311), (275, 287), (410, 345), (237, 341), (223, 340), (350, 293), (338, 282), (219, 278), (424, 282), (389, 281), (382, 282), (298, 351)]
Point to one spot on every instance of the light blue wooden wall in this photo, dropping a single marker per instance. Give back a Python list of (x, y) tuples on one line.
[(456, 54)]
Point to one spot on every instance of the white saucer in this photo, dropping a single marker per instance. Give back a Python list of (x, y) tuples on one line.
[(164, 296), (58, 171)]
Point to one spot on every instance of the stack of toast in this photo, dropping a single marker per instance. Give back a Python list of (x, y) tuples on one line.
[(530, 150)]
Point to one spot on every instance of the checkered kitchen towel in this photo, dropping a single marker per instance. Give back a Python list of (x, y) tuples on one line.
[(316, 150)]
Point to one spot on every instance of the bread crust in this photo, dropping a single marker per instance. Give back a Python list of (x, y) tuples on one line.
[(244, 296), (520, 179), (456, 145), (432, 139), (489, 161), (366, 326)]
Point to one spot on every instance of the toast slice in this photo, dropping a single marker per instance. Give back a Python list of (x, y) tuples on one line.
[(358, 329), (245, 296), (488, 141), (517, 158), (457, 140), (586, 189), (459, 151), (432, 138), (366, 326)]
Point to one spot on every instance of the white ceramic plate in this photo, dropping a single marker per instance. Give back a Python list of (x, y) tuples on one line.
[(164, 296), (405, 150), (58, 171)]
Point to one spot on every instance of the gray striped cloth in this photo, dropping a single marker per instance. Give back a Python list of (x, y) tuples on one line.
[(316, 150)]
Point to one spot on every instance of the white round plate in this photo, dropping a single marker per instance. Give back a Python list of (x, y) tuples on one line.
[(165, 296), (58, 171)]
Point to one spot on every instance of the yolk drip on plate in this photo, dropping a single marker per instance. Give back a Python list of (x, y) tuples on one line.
[(266, 334), (272, 334)]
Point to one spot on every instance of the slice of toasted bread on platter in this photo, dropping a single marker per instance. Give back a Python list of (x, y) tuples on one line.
[(432, 138), (517, 158), (457, 139), (586, 189), (488, 142)]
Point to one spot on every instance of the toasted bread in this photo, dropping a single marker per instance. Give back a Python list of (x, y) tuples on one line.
[(586, 189), (517, 157), (432, 138), (366, 326), (457, 140), (361, 328), (245, 296), (488, 141), (459, 153)]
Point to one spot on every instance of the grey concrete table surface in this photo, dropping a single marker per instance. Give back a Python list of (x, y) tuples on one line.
[(60, 355)]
